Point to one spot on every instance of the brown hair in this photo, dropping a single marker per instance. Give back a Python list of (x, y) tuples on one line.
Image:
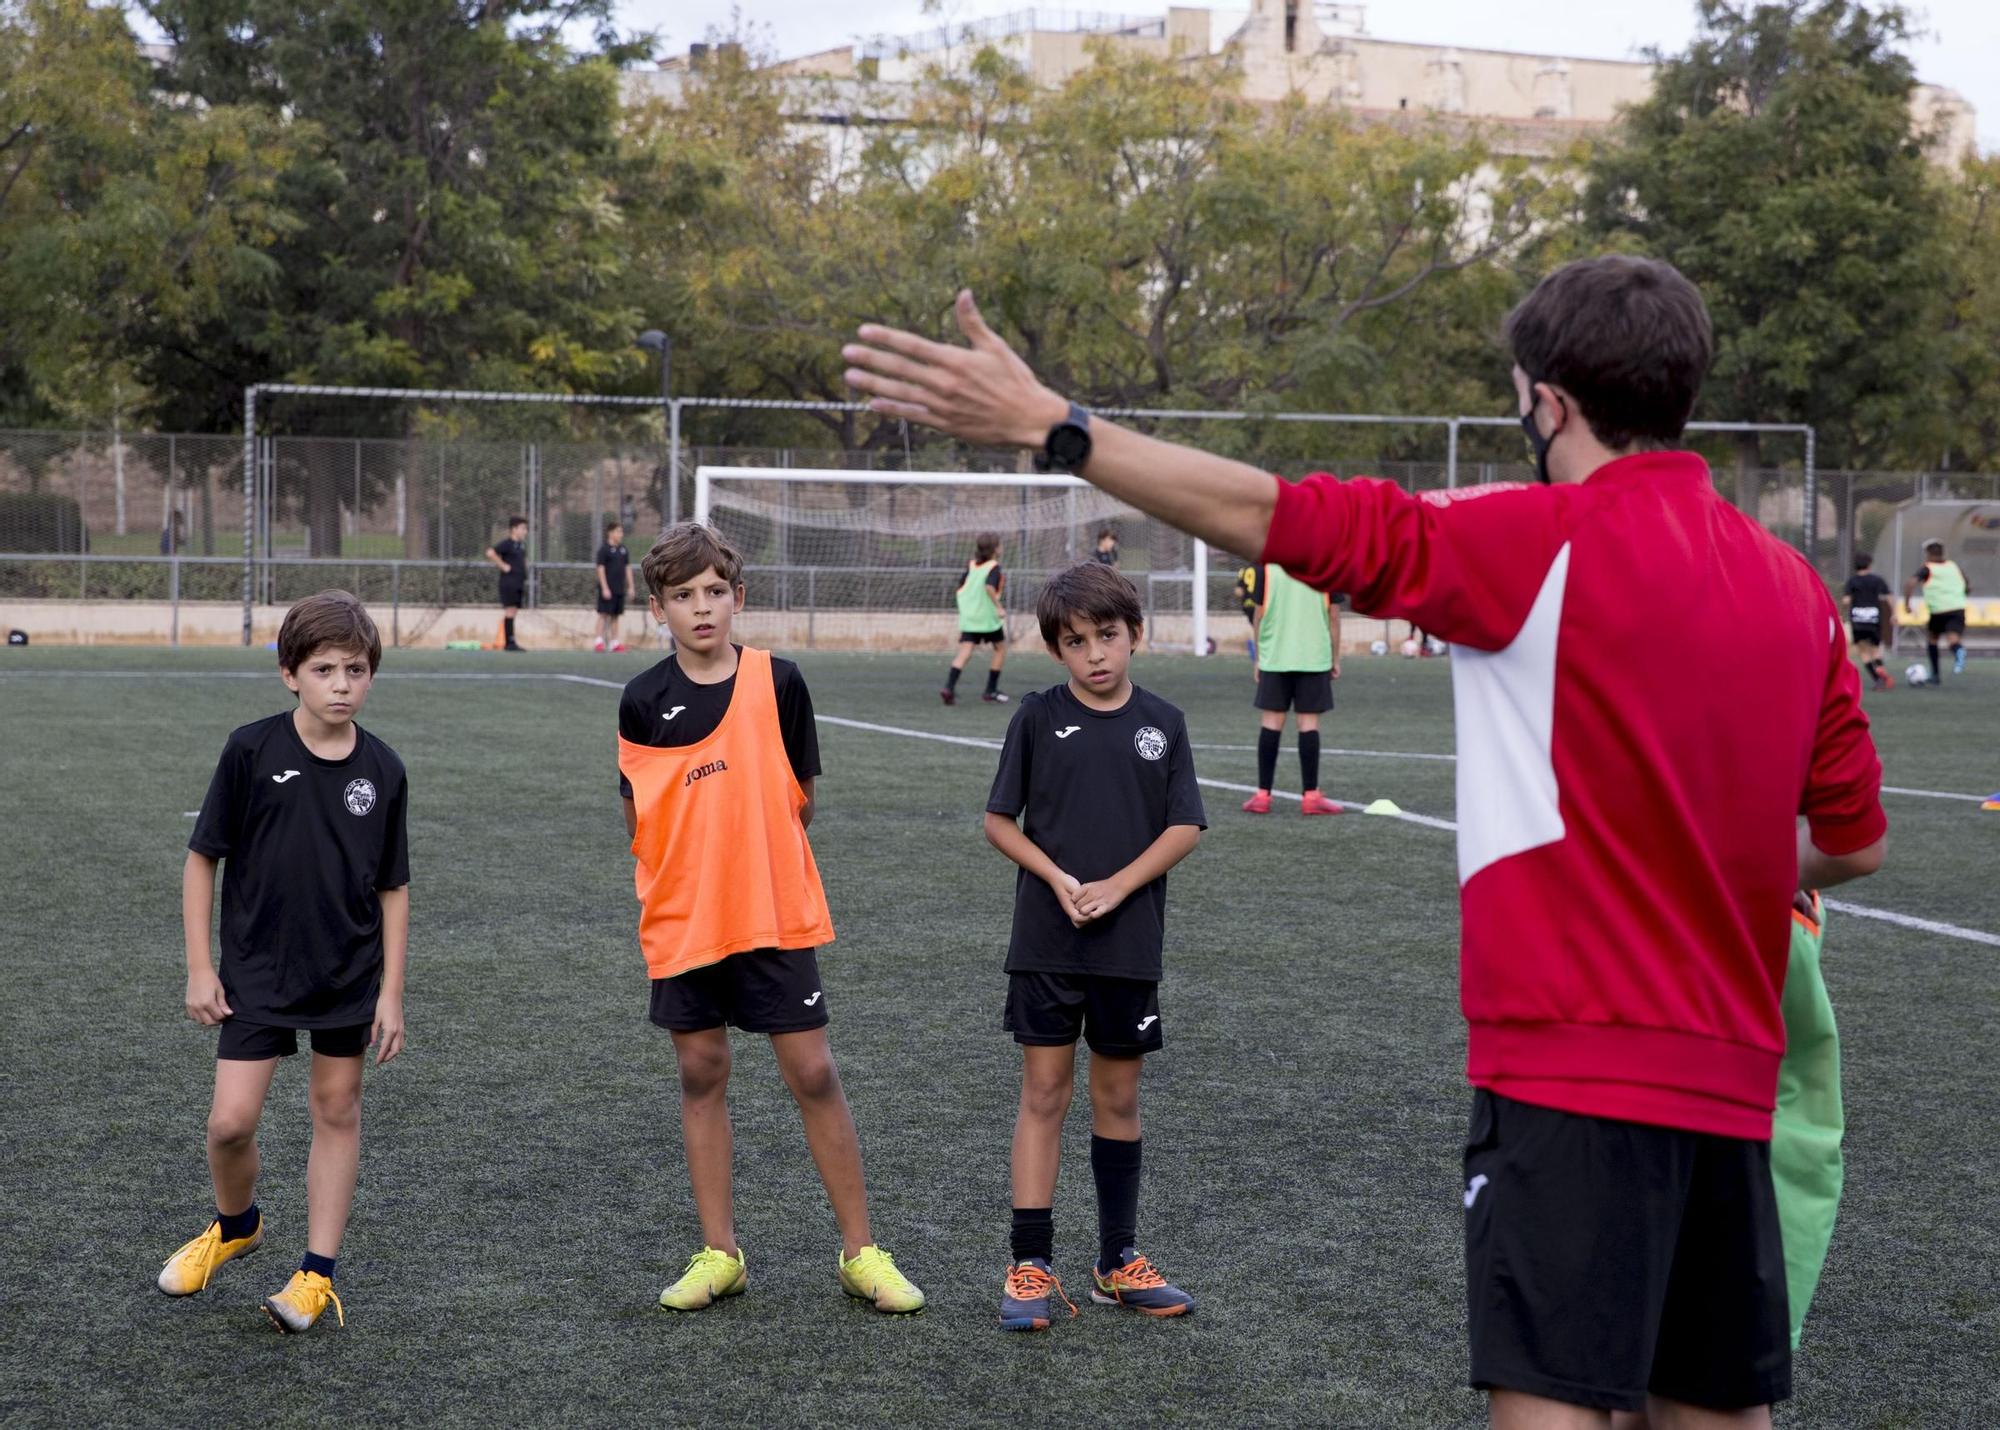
[(332, 618), (684, 552), (613, 525), (1930, 546), (1090, 590), (984, 545), (514, 521), (1627, 337)]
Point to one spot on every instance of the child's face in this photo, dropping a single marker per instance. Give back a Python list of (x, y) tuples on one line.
[(698, 610), (1096, 653), (332, 684), (519, 531), (615, 536)]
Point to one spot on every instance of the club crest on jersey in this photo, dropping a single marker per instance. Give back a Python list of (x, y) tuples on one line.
[(359, 796), (1150, 743)]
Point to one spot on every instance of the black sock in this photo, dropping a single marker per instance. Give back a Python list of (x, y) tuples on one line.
[(1309, 759), (1267, 757), (322, 1264), (508, 622), (1933, 650), (951, 678), (1034, 1233), (992, 679), (1115, 1165), (1875, 669), (241, 1224)]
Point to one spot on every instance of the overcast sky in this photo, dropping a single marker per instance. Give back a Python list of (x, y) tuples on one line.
[(1961, 50)]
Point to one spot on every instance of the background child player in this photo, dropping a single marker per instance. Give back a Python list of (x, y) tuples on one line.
[(1102, 778), (1297, 664), (614, 585), (1866, 597), (717, 757), (1106, 553), (511, 556), (308, 811), (981, 618), (1945, 589)]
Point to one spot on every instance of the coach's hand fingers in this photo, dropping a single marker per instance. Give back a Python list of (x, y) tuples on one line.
[(909, 345), (892, 389), (973, 324), (885, 364)]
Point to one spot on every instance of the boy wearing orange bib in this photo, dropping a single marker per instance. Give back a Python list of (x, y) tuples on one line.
[(717, 756)]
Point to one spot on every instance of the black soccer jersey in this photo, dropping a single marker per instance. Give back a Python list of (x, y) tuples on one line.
[(306, 846), (1869, 594), (1094, 788), (661, 706), (614, 560)]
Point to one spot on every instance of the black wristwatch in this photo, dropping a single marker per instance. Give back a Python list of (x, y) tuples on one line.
[(1068, 444)]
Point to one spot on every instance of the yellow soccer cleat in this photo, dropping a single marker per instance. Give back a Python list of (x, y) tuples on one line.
[(710, 1276), (297, 1306), (872, 1277), (190, 1269)]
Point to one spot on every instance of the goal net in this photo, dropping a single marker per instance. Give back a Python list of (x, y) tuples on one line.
[(871, 560)]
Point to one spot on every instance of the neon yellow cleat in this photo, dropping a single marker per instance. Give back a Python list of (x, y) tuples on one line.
[(297, 1306), (872, 1277), (710, 1276), (190, 1269)]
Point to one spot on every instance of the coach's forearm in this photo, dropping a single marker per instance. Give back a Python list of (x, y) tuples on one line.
[(1224, 502), (1820, 870), (197, 909), (395, 940)]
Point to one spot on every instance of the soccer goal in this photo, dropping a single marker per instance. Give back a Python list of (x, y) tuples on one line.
[(861, 560)]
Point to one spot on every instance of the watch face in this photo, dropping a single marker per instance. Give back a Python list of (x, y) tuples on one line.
[(1069, 446)]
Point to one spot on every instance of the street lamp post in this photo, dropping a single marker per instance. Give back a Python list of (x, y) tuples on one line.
[(653, 340)]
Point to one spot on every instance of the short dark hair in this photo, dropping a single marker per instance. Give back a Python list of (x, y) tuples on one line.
[(514, 521), (1629, 338), (1863, 561), (1091, 590), (1104, 531), (613, 525), (332, 618), (985, 545), (684, 552), (1930, 546)]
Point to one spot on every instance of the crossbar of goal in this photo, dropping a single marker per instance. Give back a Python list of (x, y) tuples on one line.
[(705, 475)]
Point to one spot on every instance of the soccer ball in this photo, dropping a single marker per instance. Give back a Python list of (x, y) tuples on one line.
[(1378, 648), (1918, 675), (1411, 649)]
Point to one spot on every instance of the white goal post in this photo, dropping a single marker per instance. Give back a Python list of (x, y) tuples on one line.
[(868, 557)]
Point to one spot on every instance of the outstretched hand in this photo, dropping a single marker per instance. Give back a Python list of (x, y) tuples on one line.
[(982, 393)]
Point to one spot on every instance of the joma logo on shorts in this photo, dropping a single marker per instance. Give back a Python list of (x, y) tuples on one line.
[(701, 772)]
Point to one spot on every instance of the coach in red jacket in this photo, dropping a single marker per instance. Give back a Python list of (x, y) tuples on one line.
[(1629, 840)]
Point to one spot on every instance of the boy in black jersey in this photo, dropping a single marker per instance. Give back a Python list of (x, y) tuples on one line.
[(309, 812), (1102, 778), (1866, 598), (511, 556), (614, 585)]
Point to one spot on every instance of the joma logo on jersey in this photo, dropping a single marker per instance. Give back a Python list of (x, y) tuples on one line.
[(702, 772)]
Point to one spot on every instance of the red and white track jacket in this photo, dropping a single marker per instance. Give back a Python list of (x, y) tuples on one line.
[(1649, 689)]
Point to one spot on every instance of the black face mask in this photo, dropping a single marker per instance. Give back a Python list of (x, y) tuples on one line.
[(1537, 443)]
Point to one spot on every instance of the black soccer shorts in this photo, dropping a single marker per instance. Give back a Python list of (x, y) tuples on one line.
[(243, 1042), (1310, 692), (1865, 635), (766, 990), (610, 605), (1947, 623), (982, 637), (1606, 1260), (513, 593), (1119, 1017)]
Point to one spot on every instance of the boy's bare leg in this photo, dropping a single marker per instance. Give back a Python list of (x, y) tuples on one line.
[(335, 1159), (807, 1065), (240, 1089), (1678, 1415), (1048, 1079), (1114, 1097), (999, 653), (964, 654), (1514, 1410), (704, 1071)]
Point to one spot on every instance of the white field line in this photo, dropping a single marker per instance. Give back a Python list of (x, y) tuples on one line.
[(1888, 916)]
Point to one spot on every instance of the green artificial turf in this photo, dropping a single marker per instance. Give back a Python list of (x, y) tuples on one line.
[(522, 1198)]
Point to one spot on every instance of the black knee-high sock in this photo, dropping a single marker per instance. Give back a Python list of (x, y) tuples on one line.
[(992, 679), (1267, 757), (508, 622), (1034, 1233), (951, 678), (1308, 759), (1875, 668), (1932, 650), (1115, 1165)]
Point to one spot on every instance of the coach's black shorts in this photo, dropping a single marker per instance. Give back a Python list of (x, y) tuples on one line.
[(1865, 635), (982, 637), (243, 1042), (1119, 1017), (1945, 623), (513, 593), (1307, 691), (1606, 1260), (610, 605), (766, 990)]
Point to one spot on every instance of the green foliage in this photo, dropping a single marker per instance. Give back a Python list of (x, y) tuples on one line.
[(41, 521)]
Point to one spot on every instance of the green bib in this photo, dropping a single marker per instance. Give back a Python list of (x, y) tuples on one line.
[(1945, 590), (1294, 634), (1806, 1171), (976, 611)]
